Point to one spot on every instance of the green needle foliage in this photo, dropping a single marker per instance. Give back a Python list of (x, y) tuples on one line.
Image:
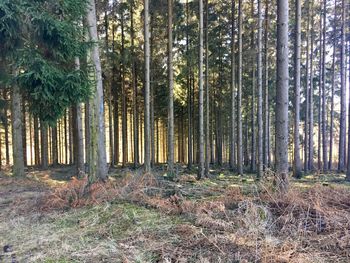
[(40, 41)]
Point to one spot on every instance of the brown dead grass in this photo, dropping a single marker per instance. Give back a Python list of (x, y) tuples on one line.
[(304, 225)]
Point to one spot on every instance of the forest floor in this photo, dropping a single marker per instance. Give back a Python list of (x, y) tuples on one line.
[(48, 217)]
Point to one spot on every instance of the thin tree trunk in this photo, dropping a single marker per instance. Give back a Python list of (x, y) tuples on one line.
[(239, 93), (341, 163), (281, 111), (134, 85), (36, 141), (24, 130), (98, 164), (307, 92), (147, 140), (260, 93), (266, 97), (207, 112), (17, 142), (311, 96), (6, 124), (124, 102), (201, 110), (297, 44), (171, 91), (44, 146), (54, 145), (189, 93), (330, 160), (324, 121)]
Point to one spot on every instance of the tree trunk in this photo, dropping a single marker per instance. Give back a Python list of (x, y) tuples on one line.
[(201, 110), (44, 146), (239, 93), (171, 91), (330, 160), (266, 97), (341, 163), (260, 93), (124, 95), (17, 142), (307, 92), (54, 145), (324, 121), (311, 94), (147, 140), (98, 164), (134, 86), (6, 127), (207, 112), (24, 132), (297, 44), (36, 141), (282, 96)]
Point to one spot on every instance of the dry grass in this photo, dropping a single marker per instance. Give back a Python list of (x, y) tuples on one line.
[(142, 218)]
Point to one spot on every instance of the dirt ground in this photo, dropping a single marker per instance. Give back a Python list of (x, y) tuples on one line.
[(223, 219)]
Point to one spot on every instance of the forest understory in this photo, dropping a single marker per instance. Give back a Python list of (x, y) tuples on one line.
[(136, 217)]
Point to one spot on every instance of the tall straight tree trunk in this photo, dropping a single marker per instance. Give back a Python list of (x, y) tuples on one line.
[(147, 140), (115, 90), (266, 95), (341, 162), (311, 92), (233, 88), (239, 93), (330, 159), (348, 164), (324, 121), (201, 110), (79, 139), (260, 93), (307, 92), (189, 93), (124, 102), (282, 96), (98, 163), (134, 86), (44, 146), (24, 132), (110, 97), (17, 142), (87, 133), (207, 112), (6, 127), (319, 135), (54, 145), (297, 44), (171, 91), (36, 141), (252, 46)]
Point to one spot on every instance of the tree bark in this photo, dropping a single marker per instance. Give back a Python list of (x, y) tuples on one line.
[(260, 93), (311, 92), (44, 146), (282, 96), (341, 163), (147, 140), (171, 91), (207, 112), (134, 85), (201, 110), (239, 93), (324, 120), (233, 88), (17, 142), (297, 44), (98, 164)]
